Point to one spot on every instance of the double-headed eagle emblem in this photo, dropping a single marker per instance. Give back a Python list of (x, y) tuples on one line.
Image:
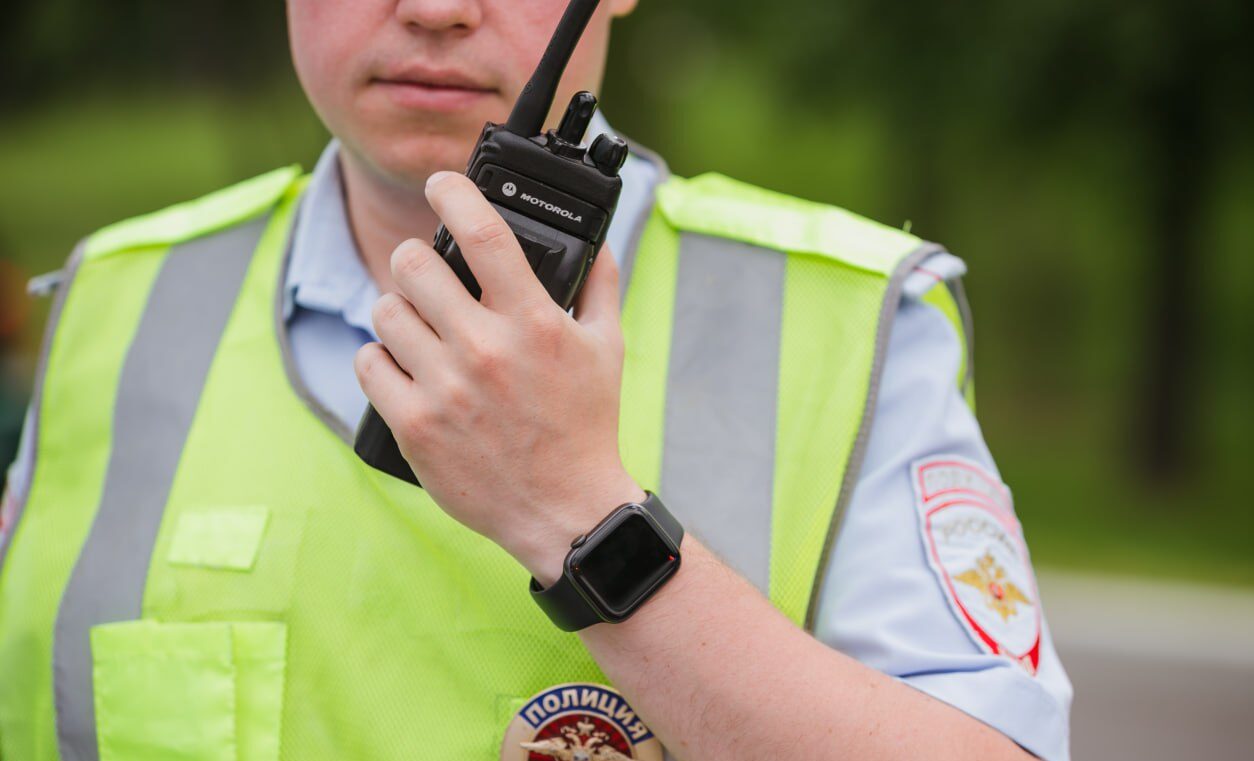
[(582, 742), (999, 592)]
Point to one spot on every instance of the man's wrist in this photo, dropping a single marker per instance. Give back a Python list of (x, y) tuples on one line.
[(543, 550)]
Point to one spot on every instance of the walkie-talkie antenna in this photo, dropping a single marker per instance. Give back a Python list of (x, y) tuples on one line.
[(527, 118)]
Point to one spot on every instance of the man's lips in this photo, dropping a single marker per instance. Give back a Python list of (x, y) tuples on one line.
[(431, 89)]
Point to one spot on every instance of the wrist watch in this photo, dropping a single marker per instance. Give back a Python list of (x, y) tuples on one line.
[(614, 568)]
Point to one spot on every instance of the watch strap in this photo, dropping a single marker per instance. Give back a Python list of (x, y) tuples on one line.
[(564, 606), (654, 507), (563, 603)]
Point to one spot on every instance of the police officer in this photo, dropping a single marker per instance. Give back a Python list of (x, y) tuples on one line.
[(746, 469)]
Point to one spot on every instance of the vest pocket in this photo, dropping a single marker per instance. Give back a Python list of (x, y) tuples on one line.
[(192, 691)]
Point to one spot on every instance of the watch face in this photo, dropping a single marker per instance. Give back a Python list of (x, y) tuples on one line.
[(621, 566)]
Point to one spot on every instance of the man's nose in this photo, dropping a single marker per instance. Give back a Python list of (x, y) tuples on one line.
[(439, 15)]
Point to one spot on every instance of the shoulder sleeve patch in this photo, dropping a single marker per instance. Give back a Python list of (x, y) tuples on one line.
[(974, 545)]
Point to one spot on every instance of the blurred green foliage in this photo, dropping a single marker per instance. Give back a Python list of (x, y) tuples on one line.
[(1093, 162)]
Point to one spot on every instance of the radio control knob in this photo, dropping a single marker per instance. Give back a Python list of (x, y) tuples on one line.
[(608, 154), (577, 117)]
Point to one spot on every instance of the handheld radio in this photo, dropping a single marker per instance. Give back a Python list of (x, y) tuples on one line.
[(556, 196)]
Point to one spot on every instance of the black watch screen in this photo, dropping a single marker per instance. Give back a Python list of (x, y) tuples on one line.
[(623, 561)]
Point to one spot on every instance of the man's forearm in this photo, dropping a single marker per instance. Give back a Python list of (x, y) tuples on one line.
[(477, 393), (718, 673)]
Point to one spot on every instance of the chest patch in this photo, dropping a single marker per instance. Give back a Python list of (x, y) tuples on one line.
[(975, 547), (579, 722)]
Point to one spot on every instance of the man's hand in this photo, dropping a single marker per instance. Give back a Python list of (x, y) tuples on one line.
[(507, 409)]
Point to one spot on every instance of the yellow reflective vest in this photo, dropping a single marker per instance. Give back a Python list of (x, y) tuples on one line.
[(203, 569)]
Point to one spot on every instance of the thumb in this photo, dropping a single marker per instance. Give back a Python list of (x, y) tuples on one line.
[(598, 302)]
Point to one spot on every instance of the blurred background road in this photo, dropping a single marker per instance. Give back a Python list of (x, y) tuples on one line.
[(1162, 671), (1091, 160)]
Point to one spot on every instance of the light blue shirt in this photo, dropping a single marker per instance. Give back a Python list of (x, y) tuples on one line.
[(881, 601)]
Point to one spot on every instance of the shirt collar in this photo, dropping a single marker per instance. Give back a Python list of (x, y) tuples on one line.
[(326, 273)]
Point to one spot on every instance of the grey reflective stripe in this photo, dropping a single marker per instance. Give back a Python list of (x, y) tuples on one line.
[(718, 450), (853, 468), (30, 432), (159, 389)]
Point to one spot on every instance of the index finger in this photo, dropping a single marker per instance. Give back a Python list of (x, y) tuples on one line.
[(486, 241)]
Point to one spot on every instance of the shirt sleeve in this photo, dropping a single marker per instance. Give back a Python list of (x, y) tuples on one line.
[(883, 600), (19, 470), (17, 480)]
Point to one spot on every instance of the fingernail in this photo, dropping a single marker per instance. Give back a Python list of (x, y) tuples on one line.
[(436, 179)]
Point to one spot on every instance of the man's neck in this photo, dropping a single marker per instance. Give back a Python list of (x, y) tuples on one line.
[(381, 214)]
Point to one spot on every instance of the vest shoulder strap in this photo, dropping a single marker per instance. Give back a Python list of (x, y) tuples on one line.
[(712, 204), (192, 219)]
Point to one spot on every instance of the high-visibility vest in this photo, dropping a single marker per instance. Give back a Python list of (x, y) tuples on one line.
[(203, 569)]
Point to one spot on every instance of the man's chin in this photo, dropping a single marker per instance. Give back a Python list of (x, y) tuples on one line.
[(409, 159)]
